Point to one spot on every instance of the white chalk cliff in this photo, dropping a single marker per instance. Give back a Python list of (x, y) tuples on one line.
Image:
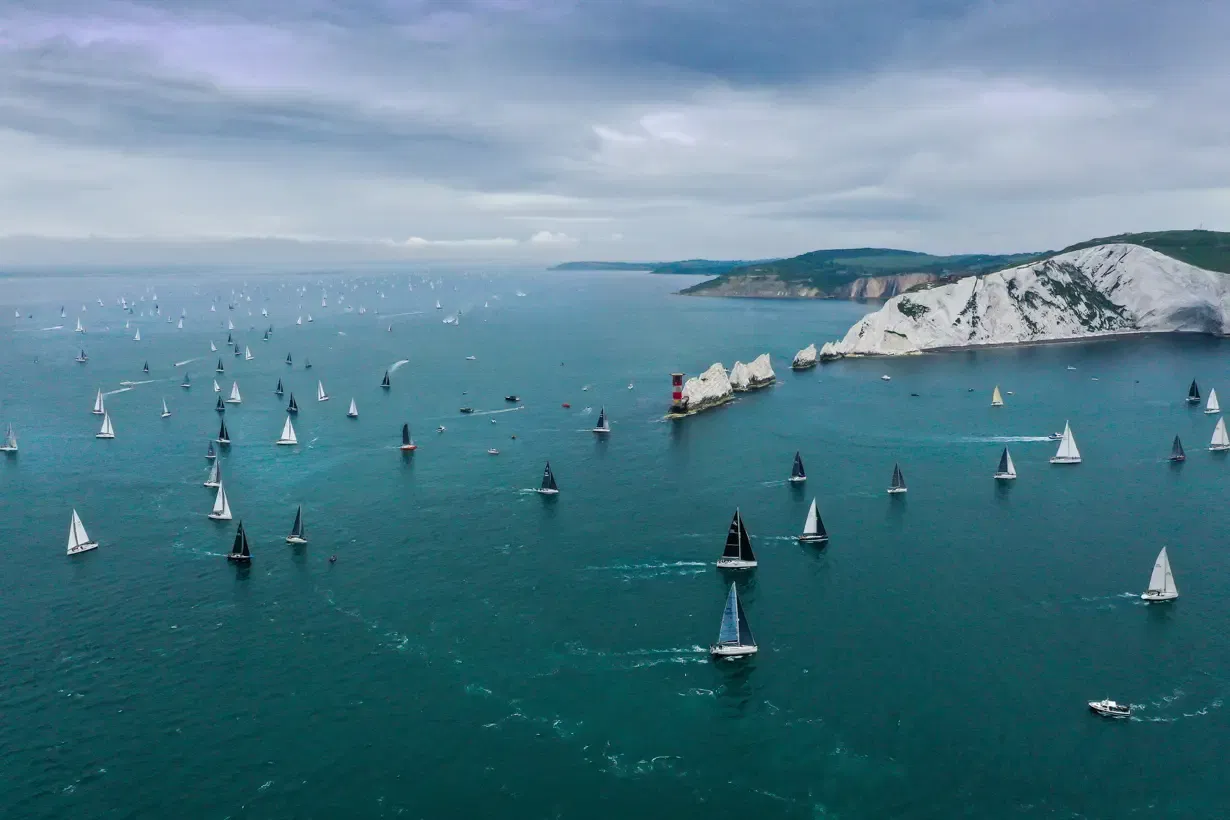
[(1099, 291), (805, 358), (706, 390), (759, 373)]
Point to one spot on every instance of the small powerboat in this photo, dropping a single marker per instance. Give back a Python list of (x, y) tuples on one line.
[(886, 378), (1055, 437), (513, 398), (1110, 708), (467, 410), (441, 429), (566, 405), (493, 452)]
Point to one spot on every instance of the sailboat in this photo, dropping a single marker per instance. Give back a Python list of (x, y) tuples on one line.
[(234, 398), (603, 426), (240, 553), (98, 403), (299, 321), (278, 391), (220, 406), (81, 357), (407, 442), (217, 388), (438, 305), (797, 473), (288, 433), (1176, 451), (310, 318), (292, 406), (898, 482), (237, 352), (107, 430), (165, 412), (1193, 393), (1006, 471), (222, 505), (224, 435), (10, 442), (210, 455), (1220, 442), (219, 368), (187, 382), (321, 395), (229, 326), (247, 354), (307, 364), (1161, 581), (78, 540), (297, 535), (180, 326), (549, 487), (738, 552), (385, 381), (813, 528), (353, 412), (1067, 452), (996, 399), (213, 348), (145, 368), (214, 479), (79, 328), (1212, 406), (288, 362), (137, 336), (735, 636)]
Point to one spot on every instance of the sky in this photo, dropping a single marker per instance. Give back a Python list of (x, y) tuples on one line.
[(543, 130)]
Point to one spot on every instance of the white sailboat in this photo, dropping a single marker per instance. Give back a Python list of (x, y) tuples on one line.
[(214, 479), (217, 387), (353, 412), (1067, 452), (309, 318), (107, 430), (78, 540), (735, 636), (1006, 471), (1212, 406), (79, 328), (1221, 441), (1161, 581), (813, 527), (321, 395), (180, 326), (165, 412), (288, 433), (222, 505), (137, 336), (98, 403), (213, 348), (247, 354), (230, 325), (299, 321), (996, 399), (234, 398), (10, 442)]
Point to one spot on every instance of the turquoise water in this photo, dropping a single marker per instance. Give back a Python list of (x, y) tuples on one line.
[(478, 651)]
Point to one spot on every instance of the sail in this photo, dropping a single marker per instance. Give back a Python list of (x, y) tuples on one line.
[(80, 329), (137, 336), (222, 505), (1161, 570), (223, 435), (321, 395), (98, 403), (1212, 406), (279, 391), (405, 436), (1193, 392), (209, 451), (288, 358), (354, 409), (813, 519), (385, 381), (107, 430), (745, 631), (548, 478), (1067, 445), (215, 475), (247, 354), (602, 422), (234, 399), (729, 631), (165, 411), (898, 477), (796, 471), (297, 529), (219, 368), (732, 538), (1011, 467), (217, 389), (1220, 439), (293, 406), (220, 407), (745, 543), (240, 547), (1176, 450), (1002, 469), (996, 399), (76, 533), (288, 432)]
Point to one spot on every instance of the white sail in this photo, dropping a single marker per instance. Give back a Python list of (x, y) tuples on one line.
[(1011, 467), (165, 411), (309, 317), (98, 403), (230, 325), (214, 479), (212, 347), (809, 526), (321, 395), (107, 430), (1212, 406), (353, 412), (222, 505), (217, 389), (1220, 441), (1161, 580), (1068, 452), (180, 326), (137, 336), (78, 540), (80, 329), (288, 433), (247, 354), (299, 321), (10, 441), (235, 397), (996, 399)]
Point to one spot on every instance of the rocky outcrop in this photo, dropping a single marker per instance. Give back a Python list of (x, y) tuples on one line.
[(1098, 291), (709, 389), (805, 359), (759, 373)]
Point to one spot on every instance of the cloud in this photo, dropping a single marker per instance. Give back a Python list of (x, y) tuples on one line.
[(420, 242), (549, 238)]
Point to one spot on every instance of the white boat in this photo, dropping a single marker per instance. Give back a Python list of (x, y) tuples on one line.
[(1220, 442), (1110, 708), (886, 378), (165, 412), (353, 412), (309, 317), (81, 357), (321, 395), (604, 425), (299, 321), (230, 325), (98, 403), (898, 481), (222, 505), (1006, 471), (247, 354), (735, 636), (234, 398), (1067, 452), (813, 528), (217, 388), (107, 430), (214, 479), (549, 487), (1212, 406), (738, 552), (997, 400), (10, 442), (137, 336), (297, 535), (1161, 581), (180, 326), (438, 305), (491, 451), (79, 328), (78, 540), (288, 433)]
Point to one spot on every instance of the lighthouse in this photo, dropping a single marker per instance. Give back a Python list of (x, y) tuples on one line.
[(677, 405)]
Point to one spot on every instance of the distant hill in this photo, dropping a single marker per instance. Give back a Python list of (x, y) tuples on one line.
[(1204, 249), (695, 267), (606, 266)]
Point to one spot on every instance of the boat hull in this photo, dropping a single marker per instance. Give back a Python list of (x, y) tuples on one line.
[(1157, 597), (1098, 709), (732, 651), (86, 547), (104, 435), (213, 485), (225, 442), (1065, 460), (1219, 448), (352, 415), (239, 559), (896, 490), (797, 479), (600, 431), (1177, 459), (285, 442), (813, 539), (734, 563), (408, 448), (1004, 477), (547, 492), (219, 517), (294, 539)]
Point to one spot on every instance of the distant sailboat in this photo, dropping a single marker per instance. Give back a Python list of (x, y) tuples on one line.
[(219, 368), (1006, 471), (735, 636), (1161, 581), (310, 318), (307, 364), (240, 552), (213, 348), (1067, 452), (98, 403), (813, 527), (247, 354), (220, 406), (353, 412), (297, 535), (288, 362), (137, 336), (165, 412), (278, 391), (180, 325), (78, 540), (299, 321), (235, 398), (898, 482), (407, 442), (603, 426), (292, 406), (10, 442), (288, 433), (738, 552), (229, 326), (224, 436), (222, 505), (79, 328), (1221, 441), (549, 487), (187, 382), (1193, 393), (145, 368), (797, 473), (385, 381), (81, 357), (996, 399), (438, 305), (321, 395), (214, 479), (1212, 407), (107, 430), (210, 455), (1176, 451), (217, 387)]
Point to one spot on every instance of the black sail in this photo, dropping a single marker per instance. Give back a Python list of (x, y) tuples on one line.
[(385, 381), (745, 631), (223, 435), (220, 407), (239, 547), (1193, 392), (297, 529), (279, 391), (1003, 462), (293, 406), (405, 434), (218, 369), (745, 543), (797, 470), (732, 538), (548, 478), (898, 476), (1176, 450)]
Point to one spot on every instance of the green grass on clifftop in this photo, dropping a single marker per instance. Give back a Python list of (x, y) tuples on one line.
[(1204, 249)]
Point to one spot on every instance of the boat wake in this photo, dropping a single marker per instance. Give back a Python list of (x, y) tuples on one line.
[(407, 313), (397, 364), (656, 569), (113, 392), (1001, 439), (493, 412), (641, 658), (187, 361), (1166, 702)]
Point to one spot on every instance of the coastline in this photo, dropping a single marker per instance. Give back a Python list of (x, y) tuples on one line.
[(1098, 337)]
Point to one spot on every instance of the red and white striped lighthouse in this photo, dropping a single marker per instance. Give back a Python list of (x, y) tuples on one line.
[(676, 392)]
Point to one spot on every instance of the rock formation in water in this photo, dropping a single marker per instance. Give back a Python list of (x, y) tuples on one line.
[(759, 373), (1098, 291), (805, 358), (709, 389)]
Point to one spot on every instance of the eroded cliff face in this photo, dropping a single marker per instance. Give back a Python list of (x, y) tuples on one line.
[(883, 287), (771, 287)]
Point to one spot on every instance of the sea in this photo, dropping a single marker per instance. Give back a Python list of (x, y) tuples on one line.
[(478, 650)]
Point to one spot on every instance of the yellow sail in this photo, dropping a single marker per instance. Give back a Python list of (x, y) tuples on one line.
[(996, 399)]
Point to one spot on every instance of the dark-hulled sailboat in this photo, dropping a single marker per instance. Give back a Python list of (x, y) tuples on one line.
[(219, 368), (1193, 393), (297, 535), (224, 436), (240, 553), (603, 426), (549, 487), (385, 383), (407, 442), (288, 361), (898, 485), (292, 406), (278, 391), (813, 528), (797, 473), (738, 553), (220, 406), (1176, 451), (735, 636)]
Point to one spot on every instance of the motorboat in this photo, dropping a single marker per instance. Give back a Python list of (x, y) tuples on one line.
[(512, 397), (493, 452), (467, 410), (1110, 708)]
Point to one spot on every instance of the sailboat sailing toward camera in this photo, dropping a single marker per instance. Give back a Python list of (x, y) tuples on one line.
[(603, 426), (1161, 581), (797, 473), (1006, 471), (735, 636), (813, 527), (898, 481), (297, 535), (1067, 452), (738, 552)]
